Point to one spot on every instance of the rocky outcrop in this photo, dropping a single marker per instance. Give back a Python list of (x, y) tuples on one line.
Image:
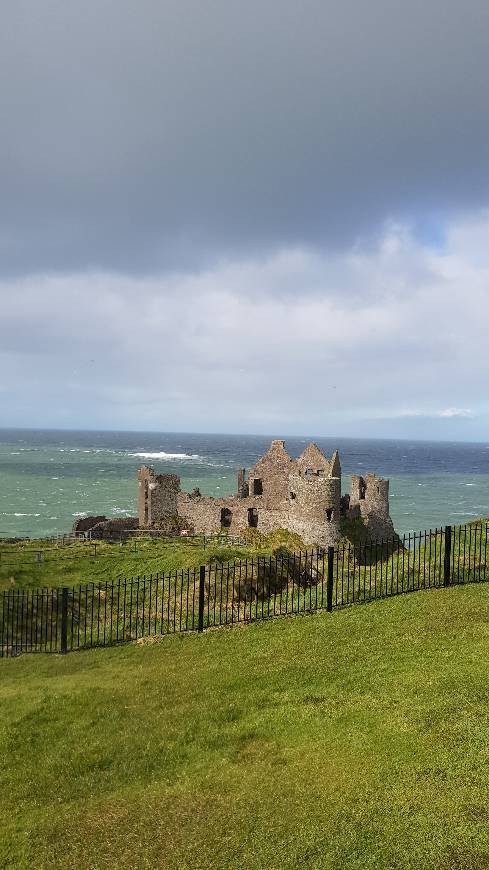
[(101, 527)]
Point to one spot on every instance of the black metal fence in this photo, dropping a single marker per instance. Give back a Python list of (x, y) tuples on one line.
[(224, 593)]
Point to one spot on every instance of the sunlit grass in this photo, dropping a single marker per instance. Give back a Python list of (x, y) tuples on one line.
[(344, 741)]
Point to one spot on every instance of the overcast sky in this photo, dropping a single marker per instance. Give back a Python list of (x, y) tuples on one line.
[(267, 216)]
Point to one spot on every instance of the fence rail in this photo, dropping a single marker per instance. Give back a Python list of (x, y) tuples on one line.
[(50, 620)]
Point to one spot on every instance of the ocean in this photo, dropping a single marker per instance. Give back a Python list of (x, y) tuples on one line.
[(49, 478)]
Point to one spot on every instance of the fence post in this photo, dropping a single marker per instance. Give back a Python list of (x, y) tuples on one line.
[(448, 553), (329, 587), (201, 598), (64, 620)]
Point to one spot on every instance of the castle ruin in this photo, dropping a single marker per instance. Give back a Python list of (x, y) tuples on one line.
[(302, 495)]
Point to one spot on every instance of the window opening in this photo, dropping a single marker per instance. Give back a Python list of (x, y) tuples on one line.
[(146, 507), (257, 486), (252, 517), (226, 517)]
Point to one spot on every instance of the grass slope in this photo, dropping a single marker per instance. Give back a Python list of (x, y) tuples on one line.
[(351, 740), (97, 562)]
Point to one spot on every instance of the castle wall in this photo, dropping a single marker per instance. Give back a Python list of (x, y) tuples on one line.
[(314, 508), (313, 459), (301, 495), (204, 514), (369, 499), (272, 472), (157, 496)]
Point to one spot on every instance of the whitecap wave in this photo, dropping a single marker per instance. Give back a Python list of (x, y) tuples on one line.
[(163, 455)]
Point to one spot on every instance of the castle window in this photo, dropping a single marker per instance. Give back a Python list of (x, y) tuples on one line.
[(292, 495), (252, 517), (329, 514), (362, 489), (309, 472), (257, 486), (320, 472), (226, 517)]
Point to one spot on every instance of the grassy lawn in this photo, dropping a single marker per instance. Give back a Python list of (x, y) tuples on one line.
[(99, 562), (356, 739)]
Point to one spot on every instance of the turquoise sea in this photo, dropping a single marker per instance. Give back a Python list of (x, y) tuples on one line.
[(49, 478)]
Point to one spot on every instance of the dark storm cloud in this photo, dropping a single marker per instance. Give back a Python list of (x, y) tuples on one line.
[(151, 135)]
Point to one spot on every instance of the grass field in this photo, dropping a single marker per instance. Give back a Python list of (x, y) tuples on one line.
[(97, 562), (356, 739), (83, 563)]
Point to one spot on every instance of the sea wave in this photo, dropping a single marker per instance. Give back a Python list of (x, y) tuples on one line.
[(163, 455)]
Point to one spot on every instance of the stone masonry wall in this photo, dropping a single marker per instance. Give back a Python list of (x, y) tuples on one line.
[(369, 498), (157, 495), (303, 495), (272, 472), (314, 511)]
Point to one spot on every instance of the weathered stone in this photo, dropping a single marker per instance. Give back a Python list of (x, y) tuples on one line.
[(84, 524), (369, 499), (302, 495), (110, 528)]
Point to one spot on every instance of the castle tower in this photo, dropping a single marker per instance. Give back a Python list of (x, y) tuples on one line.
[(314, 497), (269, 477), (369, 499), (157, 496)]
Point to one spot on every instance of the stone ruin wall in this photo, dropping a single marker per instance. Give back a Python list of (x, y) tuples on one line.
[(314, 511), (271, 475), (369, 499), (303, 495), (204, 514), (157, 495)]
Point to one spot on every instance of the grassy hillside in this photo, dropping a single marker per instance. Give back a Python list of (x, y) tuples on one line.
[(350, 740), (98, 562)]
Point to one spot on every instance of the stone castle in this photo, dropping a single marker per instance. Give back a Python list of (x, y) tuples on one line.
[(302, 495)]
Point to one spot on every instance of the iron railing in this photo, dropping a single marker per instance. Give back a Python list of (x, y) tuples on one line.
[(224, 593)]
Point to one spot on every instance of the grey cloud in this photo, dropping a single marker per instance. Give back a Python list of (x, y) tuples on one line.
[(195, 352), (144, 136)]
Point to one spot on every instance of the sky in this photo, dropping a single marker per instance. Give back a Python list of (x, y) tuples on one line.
[(262, 217)]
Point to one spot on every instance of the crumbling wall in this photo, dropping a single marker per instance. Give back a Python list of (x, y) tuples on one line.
[(243, 490), (313, 461), (113, 528), (84, 524), (157, 496), (302, 495), (369, 499), (206, 514), (271, 475), (314, 508), (203, 513)]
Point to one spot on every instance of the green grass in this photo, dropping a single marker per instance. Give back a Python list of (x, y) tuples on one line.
[(344, 741), (98, 562)]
